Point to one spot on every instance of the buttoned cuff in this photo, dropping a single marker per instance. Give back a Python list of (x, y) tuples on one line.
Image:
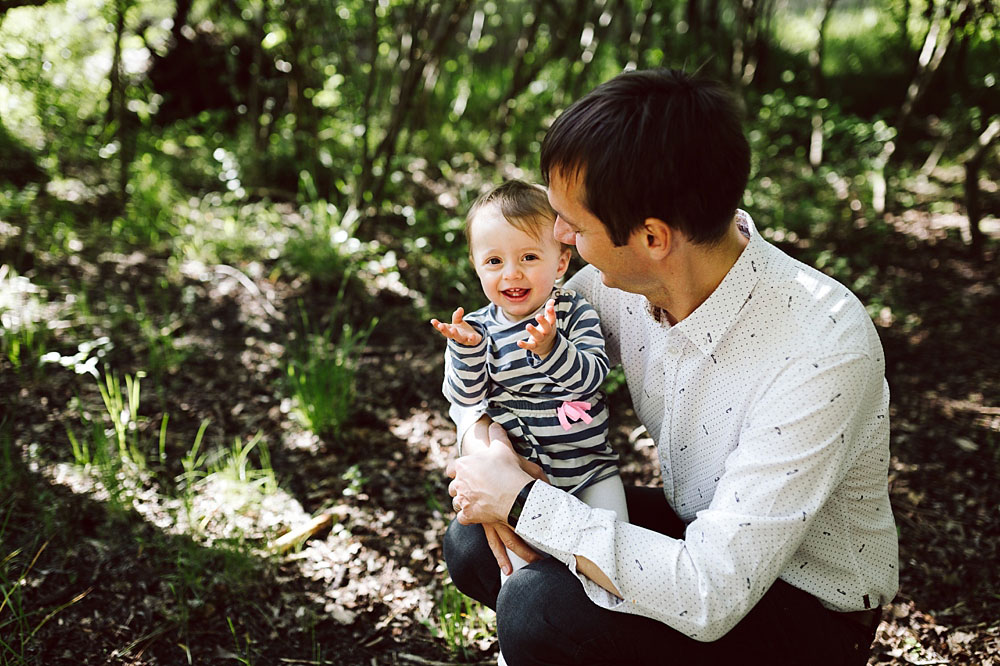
[(563, 526)]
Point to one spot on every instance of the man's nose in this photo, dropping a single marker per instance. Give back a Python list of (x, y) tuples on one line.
[(563, 233)]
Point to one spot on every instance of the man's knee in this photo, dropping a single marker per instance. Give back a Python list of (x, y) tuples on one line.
[(470, 561), (530, 608)]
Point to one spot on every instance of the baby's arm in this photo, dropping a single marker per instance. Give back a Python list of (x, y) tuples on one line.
[(466, 376), (577, 360)]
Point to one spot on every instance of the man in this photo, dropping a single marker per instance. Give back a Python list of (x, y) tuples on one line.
[(761, 380)]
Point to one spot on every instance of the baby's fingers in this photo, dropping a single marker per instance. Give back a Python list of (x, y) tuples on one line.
[(550, 311), (456, 317), (536, 332)]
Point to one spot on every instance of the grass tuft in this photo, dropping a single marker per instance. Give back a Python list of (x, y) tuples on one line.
[(321, 377), (466, 626)]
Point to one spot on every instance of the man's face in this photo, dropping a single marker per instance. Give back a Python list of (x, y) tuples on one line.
[(575, 225)]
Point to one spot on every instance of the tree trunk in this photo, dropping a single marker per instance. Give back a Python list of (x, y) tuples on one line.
[(255, 104), (692, 12), (445, 20), (936, 43), (972, 166), (364, 141), (523, 74), (116, 105), (750, 41), (637, 33), (819, 85)]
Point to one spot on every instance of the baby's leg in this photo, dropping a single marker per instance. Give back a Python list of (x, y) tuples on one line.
[(607, 494)]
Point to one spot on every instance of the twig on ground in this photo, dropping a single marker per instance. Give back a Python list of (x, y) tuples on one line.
[(412, 658), (251, 287)]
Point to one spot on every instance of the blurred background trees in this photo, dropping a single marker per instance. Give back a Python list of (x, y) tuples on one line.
[(397, 110)]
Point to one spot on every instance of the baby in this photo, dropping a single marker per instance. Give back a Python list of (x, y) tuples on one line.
[(534, 358)]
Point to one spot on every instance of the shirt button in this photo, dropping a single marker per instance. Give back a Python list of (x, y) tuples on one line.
[(674, 351)]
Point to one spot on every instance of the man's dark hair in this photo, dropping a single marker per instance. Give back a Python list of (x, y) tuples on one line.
[(657, 143)]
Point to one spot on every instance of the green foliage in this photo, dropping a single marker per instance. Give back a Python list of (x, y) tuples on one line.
[(614, 381), (462, 623), (18, 625), (355, 479), (19, 621), (321, 375)]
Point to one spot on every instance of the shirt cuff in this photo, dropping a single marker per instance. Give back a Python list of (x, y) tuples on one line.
[(563, 526)]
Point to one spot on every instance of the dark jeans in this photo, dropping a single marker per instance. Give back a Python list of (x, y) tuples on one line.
[(544, 616)]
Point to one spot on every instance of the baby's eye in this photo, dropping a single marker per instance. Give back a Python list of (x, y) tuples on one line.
[(530, 257), (493, 261)]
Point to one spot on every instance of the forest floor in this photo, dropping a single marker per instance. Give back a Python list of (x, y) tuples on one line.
[(104, 583)]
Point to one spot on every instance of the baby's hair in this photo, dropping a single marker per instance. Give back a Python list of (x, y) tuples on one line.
[(525, 206)]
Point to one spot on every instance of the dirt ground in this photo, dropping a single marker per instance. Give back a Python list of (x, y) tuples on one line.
[(364, 590)]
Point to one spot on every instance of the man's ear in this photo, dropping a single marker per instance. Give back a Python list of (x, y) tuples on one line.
[(658, 238)]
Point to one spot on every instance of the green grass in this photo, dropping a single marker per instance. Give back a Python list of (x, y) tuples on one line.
[(163, 355), (115, 456), (19, 624), (464, 625), (321, 374)]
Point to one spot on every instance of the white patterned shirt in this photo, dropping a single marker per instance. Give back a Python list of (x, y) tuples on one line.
[(769, 407)]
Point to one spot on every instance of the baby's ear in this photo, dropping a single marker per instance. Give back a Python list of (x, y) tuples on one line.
[(564, 259)]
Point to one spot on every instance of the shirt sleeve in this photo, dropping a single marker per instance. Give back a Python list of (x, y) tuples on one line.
[(577, 362), (466, 378), (794, 449)]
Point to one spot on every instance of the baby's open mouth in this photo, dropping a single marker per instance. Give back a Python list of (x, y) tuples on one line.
[(515, 294)]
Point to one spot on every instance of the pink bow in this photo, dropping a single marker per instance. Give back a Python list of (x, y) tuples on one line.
[(573, 411)]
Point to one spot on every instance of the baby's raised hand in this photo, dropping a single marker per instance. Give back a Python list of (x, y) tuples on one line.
[(542, 335), (458, 330)]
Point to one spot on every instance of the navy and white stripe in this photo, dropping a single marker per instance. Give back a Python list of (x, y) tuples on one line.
[(521, 391)]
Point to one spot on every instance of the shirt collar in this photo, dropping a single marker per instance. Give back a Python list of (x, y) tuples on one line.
[(711, 321)]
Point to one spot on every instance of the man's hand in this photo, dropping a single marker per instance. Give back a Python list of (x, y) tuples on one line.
[(501, 538), (542, 334), (458, 330), (485, 484), (484, 488)]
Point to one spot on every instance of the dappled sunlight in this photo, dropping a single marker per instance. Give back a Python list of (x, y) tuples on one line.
[(934, 227)]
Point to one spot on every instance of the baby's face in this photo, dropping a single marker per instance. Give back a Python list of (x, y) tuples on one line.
[(516, 270)]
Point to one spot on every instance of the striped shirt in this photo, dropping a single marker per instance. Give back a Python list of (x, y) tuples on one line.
[(523, 392)]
